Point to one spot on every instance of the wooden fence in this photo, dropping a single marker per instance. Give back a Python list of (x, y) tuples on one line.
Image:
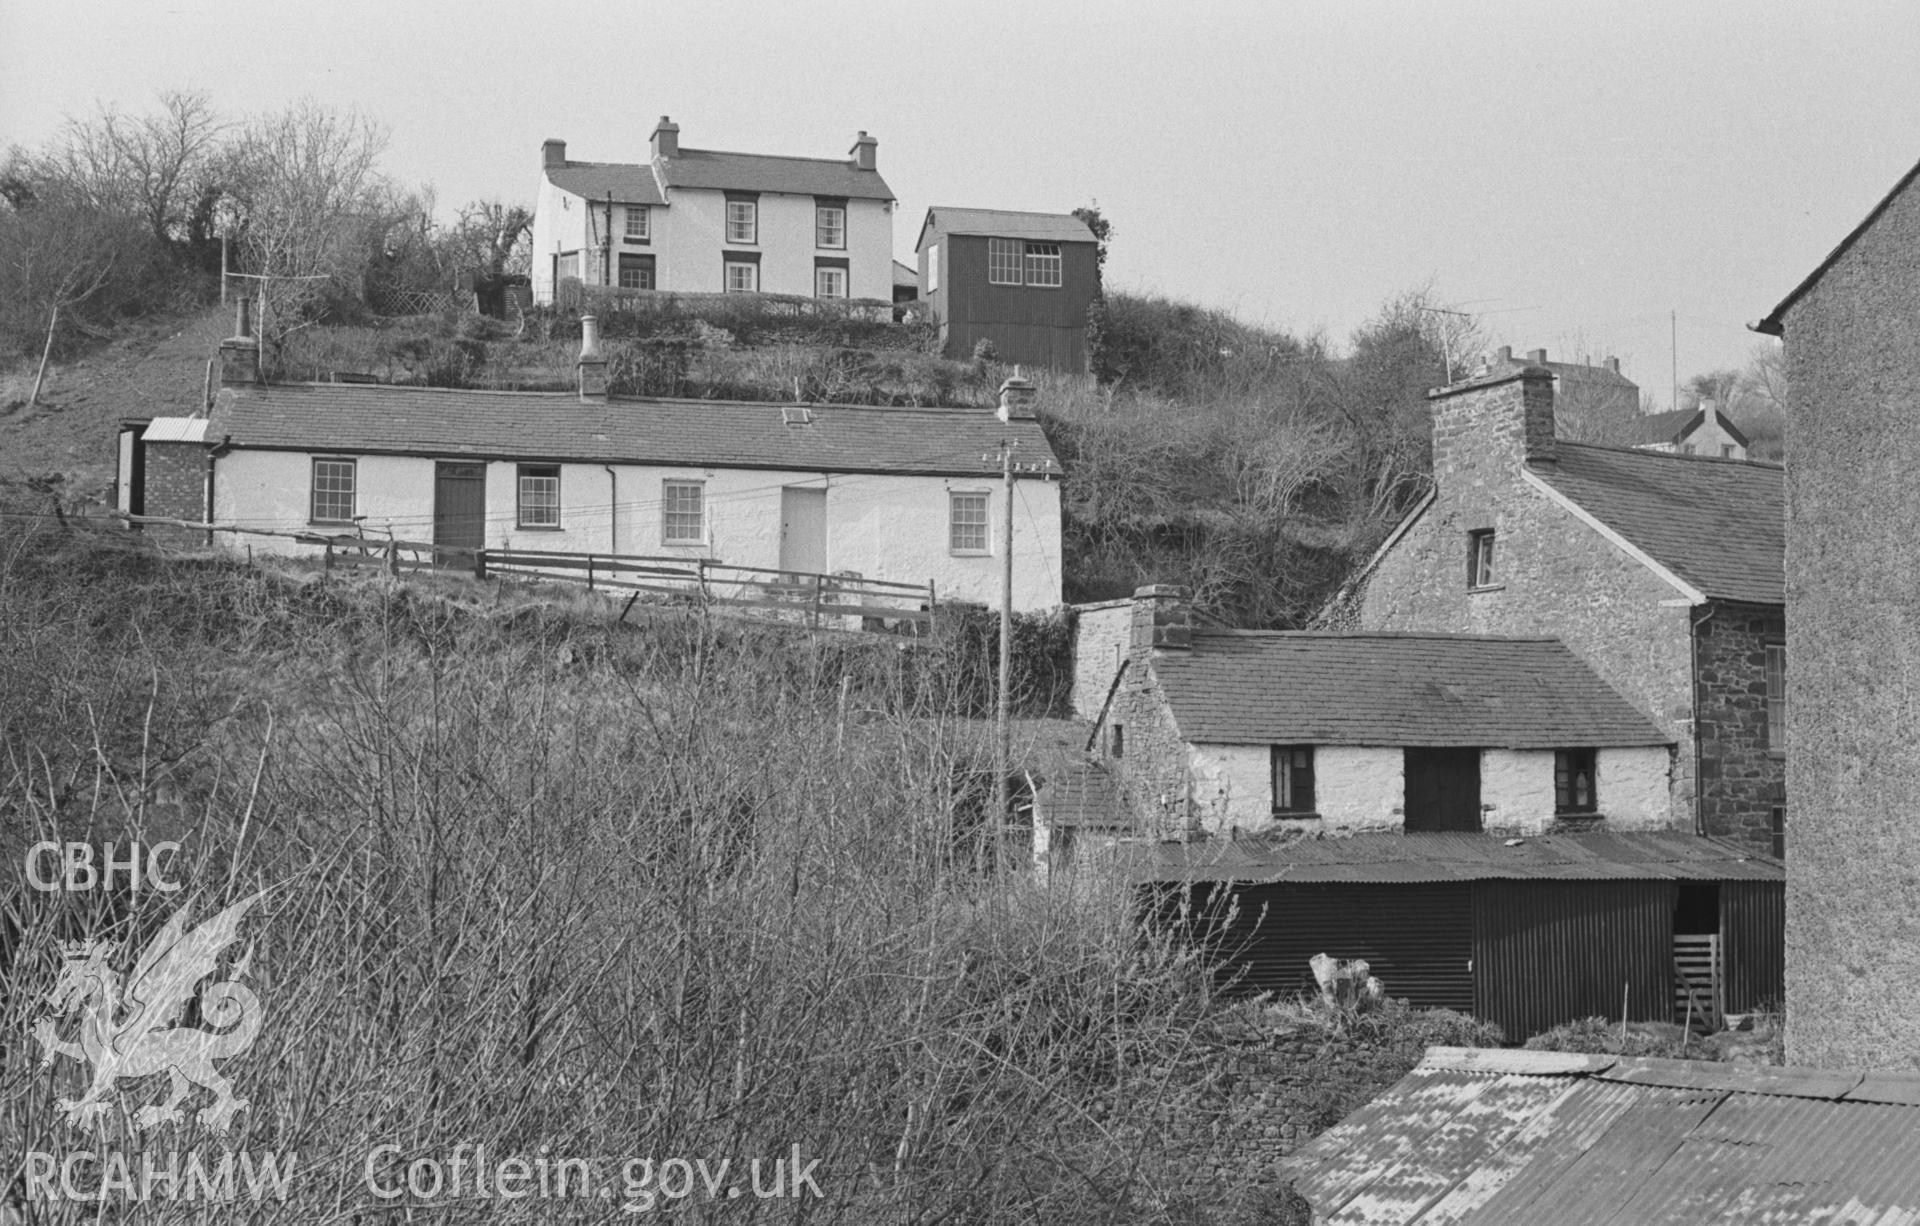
[(818, 601)]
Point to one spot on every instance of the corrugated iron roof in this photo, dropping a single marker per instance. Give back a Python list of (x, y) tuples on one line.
[(1720, 525), (1005, 223), (1491, 1137), (1085, 794), (1240, 687), (175, 430), (1386, 858), (383, 419)]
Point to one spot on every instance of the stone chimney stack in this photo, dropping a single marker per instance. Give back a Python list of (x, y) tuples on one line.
[(240, 353), (553, 154), (1537, 357), (666, 139), (1016, 398), (1162, 620), (592, 366), (1613, 364), (1500, 416), (865, 152)]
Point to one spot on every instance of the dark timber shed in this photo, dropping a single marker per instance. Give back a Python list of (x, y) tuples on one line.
[(1528, 933), (1023, 281)]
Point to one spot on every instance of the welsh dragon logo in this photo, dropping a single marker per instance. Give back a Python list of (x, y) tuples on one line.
[(132, 1035)]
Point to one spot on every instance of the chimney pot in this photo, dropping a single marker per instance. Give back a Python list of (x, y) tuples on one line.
[(1613, 364), (240, 353), (1016, 397), (666, 138), (553, 154), (592, 366), (1537, 357), (1504, 355)]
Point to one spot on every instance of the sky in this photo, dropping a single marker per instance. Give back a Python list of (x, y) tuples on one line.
[(1598, 178)]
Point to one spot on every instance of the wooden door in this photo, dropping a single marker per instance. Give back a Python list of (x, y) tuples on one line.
[(459, 513), (1443, 790), (803, 530)]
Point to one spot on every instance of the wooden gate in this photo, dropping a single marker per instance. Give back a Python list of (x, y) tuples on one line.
[(1696, 980)]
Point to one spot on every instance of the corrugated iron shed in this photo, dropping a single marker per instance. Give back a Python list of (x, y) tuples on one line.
[(1482, 1137), (1456, 857)]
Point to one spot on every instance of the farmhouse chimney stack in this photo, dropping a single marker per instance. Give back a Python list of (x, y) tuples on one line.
[(666, 139), (592, 366), (1537, 357), (1162, 620), (553, 154), (240, 353), (865, 152), (1500, 416)]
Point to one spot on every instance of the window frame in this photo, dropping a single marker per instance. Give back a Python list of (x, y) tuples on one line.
[(523, 473), (1116, 740), (669, 488), (636, 212), (1291, 773), (829, 270), (982, 498), (1726, 451), (1776, 698), (1566, 764), (746, 223), (639, 262), (1482, 559), (999, 252), (352, 467), (1048, 257), (821, 238), (727, 268)]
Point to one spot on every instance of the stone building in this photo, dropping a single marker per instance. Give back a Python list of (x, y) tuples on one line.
[(1662, 573), (1232, 732), (1852, 333)]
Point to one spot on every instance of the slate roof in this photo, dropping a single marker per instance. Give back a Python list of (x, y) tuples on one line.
[(1394, 857), (1278, 687), (1488, 1138), (557, 426), (1720, 525), (1085, 794), (629, 184), (903, 275), (1006, 223), (1673, 427)]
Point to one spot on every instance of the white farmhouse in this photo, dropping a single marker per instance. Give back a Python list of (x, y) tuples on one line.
[(912, 496), (704, 221)]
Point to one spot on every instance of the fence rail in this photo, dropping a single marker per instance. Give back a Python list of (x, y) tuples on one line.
[(820, 601)]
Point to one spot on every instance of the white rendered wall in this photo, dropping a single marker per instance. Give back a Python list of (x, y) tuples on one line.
[(690, 234), (1633, 788), (1355, 788)]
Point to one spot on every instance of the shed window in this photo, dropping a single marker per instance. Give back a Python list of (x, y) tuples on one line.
[(334, 484), (1292, 779), (539, 496), (967, 522), (1573, 781), (1043, 264), (1480, 571), (1003, 261), (1776, 697), (683, 518)]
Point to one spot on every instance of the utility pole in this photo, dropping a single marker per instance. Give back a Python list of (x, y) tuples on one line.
[(1446, 333), (1673, 351), (1016, 401)]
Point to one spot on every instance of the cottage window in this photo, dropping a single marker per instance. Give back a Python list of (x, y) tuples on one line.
[(1043, 264), (1573, 781), (1292, 779), (743, 277), (334, 484), (967, 522), (830, 226), (683, 517), (1480, 571), (636, 272), (1776, 698), (829, 282), (1726, 451), (1117, 741), (1687, 449), (743, 221), (1779, 832), (639, 219), (539, 496), (1003, 261)]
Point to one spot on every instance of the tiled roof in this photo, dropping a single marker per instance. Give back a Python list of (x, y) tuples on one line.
[(1720, 525), (1084, 794), (758, 172), (1662, 427), (376, 419), (1387, 858), (1494, 1137), (1006, 223), (1255, 688), (593, 180)]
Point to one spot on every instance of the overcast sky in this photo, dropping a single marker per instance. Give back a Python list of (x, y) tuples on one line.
[(1575, 171)]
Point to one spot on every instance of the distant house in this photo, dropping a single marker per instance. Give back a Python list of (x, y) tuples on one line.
[(1226, 732), (1023, 281), (1478, 1137), (893, 494), (704, 221), (1591, 401), (1663, 573), (1527, 932), (1852, 343), (1702, 431)]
